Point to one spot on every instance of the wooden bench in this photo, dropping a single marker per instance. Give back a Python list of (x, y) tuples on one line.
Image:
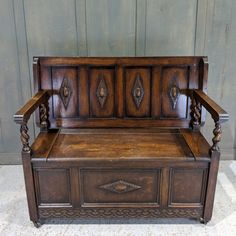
[(120, 138)]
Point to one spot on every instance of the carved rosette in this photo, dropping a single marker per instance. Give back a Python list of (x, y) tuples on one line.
[(174, 94), (120, 186), (65, 92), (25, 138), (138, 91), (102, 91)]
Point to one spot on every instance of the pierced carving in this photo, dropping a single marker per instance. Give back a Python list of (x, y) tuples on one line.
[(121, 213), (65, 92), (195, 113), (120, 186), (174, 95), (138, 91), (25, 138), (217, 137), (43, 111), (102, 91)]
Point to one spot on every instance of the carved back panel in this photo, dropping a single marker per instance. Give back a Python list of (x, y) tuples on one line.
[(118, 92)]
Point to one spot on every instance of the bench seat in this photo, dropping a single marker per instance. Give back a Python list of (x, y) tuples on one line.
[(118, 143)]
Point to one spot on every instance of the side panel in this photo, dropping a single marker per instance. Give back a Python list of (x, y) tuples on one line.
[(53, 187), (187, 187)]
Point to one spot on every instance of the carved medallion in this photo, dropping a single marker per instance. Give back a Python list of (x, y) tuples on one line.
[(138, 91), (120, 186), (102, 91), (65, 92), (174, 95)]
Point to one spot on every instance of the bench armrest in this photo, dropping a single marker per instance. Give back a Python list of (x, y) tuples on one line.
[(39, 100), (22, 116), (217, 113)]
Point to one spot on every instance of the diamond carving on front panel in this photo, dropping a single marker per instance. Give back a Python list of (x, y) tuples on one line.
[(138, 91), (102, 91), (65, 92), (120, 186)]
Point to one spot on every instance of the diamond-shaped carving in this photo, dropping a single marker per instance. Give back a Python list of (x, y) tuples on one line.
[(120, 186), (65, 92), (138, 91), (102, 91)]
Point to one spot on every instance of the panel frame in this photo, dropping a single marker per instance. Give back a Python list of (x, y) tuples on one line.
[(203, 187), (37, 187)]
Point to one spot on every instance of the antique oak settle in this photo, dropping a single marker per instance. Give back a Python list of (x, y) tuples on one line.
[(120, 138)]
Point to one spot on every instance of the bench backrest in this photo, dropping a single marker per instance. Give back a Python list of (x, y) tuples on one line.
[(119, 91)]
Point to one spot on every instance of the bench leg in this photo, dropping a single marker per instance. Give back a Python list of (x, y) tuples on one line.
[(203, 221), (37, 224), (29, 185), (211, 186)]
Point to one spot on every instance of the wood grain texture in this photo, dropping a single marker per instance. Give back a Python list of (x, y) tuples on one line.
[(145, 190), (112, 143), (102, 92), (138, 79), (117, 87)]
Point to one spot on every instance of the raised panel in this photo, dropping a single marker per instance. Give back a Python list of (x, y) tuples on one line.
[(53, 186), (120, 186), (187, 187), (102, 88), (65, 90), (174, 101), (137, 92)]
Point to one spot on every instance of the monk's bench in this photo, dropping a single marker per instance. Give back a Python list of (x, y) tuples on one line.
[(120, 138)]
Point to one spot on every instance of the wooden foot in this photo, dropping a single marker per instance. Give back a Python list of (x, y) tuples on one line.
[(203, 221), (37, 224)]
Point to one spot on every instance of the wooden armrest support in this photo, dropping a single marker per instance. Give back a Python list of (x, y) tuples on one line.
[(40, 100), (217, 113), (22, 116)]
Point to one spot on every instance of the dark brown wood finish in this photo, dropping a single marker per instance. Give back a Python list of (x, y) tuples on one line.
[(117, 88), (120, 137)]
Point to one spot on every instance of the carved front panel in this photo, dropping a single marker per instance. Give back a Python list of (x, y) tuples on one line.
[(137, 92), (174, 84), (187, 187), (102, 97), (65, 90), (120, 186), (53, 187)]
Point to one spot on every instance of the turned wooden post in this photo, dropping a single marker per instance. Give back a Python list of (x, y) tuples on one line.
[(195, 113), (44, 115), (24, 137), (217, 137)]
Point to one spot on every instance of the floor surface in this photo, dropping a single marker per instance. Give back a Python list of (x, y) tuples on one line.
[(14, 213)]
